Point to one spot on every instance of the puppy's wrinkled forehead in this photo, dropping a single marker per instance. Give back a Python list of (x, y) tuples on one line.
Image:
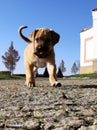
[(43, 32)]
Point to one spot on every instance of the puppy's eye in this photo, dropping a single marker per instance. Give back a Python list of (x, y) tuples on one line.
[(36, 39), (48, 40)]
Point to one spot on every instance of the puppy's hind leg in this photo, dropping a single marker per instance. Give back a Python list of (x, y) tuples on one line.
[(35, 71)]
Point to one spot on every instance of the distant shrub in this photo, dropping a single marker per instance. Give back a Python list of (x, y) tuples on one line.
[(59, 73), (5, 73), (45, 74)]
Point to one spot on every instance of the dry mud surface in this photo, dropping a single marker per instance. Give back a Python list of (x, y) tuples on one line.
[(73, 106)]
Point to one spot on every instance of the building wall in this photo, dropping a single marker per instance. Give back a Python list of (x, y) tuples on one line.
[(88, 47), (94, 15), (94, 66), (86, 70)]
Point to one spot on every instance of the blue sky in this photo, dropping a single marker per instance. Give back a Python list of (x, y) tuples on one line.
[(67, 17)]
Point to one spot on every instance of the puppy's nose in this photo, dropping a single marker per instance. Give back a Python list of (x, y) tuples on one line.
[(41, 48)]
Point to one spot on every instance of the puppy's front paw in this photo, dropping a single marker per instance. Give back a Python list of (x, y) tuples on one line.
[(56, 84), (30, 85)]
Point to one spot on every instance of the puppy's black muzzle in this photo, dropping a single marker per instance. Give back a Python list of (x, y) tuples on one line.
[(42, 48), (42, 51)]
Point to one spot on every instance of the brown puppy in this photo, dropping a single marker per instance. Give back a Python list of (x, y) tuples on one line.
[(40, 53)]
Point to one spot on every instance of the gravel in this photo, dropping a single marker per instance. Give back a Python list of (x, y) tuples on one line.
[(73, 106)]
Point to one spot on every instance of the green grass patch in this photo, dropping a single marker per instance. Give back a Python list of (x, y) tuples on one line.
[(91, 75), (22, 76), (8, 77)]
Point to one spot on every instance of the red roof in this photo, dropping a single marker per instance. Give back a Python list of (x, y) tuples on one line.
[(85, 29)]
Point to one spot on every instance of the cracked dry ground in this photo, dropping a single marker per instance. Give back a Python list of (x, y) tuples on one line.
[(73, 106)]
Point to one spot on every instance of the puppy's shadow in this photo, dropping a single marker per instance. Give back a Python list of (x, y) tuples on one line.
[(88, 86)]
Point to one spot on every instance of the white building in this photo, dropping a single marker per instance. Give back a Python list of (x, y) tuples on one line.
[(88, 47)]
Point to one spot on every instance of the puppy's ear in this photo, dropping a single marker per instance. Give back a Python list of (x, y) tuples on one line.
[(55, 37), (33, 34)]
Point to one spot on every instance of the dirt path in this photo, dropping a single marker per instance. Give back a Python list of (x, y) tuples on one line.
[(70, 107)]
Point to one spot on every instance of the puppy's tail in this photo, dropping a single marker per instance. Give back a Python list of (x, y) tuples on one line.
[(22, 36)]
